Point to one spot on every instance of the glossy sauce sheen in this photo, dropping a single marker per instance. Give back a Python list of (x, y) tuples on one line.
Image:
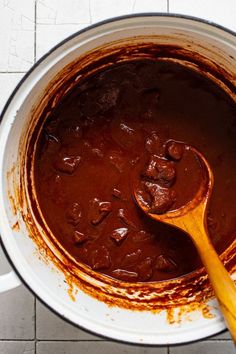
[(103, 135)]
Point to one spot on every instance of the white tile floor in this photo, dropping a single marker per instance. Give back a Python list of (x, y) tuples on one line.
[(28, 29)]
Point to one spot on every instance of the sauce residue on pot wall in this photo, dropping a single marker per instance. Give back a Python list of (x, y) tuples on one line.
[(187, 292)]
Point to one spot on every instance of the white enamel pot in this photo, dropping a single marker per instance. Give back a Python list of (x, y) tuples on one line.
[(44, 278)]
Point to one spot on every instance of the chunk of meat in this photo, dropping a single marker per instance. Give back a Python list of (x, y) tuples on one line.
[(95, 100), (131, 258), (79, 237), (145, 269), (119, 234), (165, 263), (95, 148), (116, 193), (125, 128), (166, 171), (162, 198), (152, 144), (67, 164), (73, 214), (99, 211), (97, 152), (101, 258), (108, 98), (100, 218), (122, 214), (105, 207), (125, 275), (174, 150), (160, 170)]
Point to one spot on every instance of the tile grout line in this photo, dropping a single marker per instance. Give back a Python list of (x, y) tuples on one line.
[(107, 341), (133, 6), (35, 28), (35, 330), (13, 72), (63, 24), (90, 13), (78, 341), (17, 340)]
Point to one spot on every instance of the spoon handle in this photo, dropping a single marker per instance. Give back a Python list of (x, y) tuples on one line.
[(222, 284)]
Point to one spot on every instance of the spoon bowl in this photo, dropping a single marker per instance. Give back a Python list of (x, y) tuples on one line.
[(197, 205)]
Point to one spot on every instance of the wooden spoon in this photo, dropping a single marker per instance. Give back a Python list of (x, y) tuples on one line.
[(191, 218)]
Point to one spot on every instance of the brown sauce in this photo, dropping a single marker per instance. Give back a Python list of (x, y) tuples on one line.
[(95, 139)]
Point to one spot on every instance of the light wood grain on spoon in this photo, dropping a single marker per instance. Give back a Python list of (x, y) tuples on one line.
[(191, 218)]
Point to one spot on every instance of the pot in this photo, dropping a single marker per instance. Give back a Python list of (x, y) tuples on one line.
[(91, 301)]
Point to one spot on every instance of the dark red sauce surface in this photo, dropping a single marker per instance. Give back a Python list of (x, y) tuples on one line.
[(115, 124)]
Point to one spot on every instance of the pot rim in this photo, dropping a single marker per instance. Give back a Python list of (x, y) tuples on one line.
[(198, 334)]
